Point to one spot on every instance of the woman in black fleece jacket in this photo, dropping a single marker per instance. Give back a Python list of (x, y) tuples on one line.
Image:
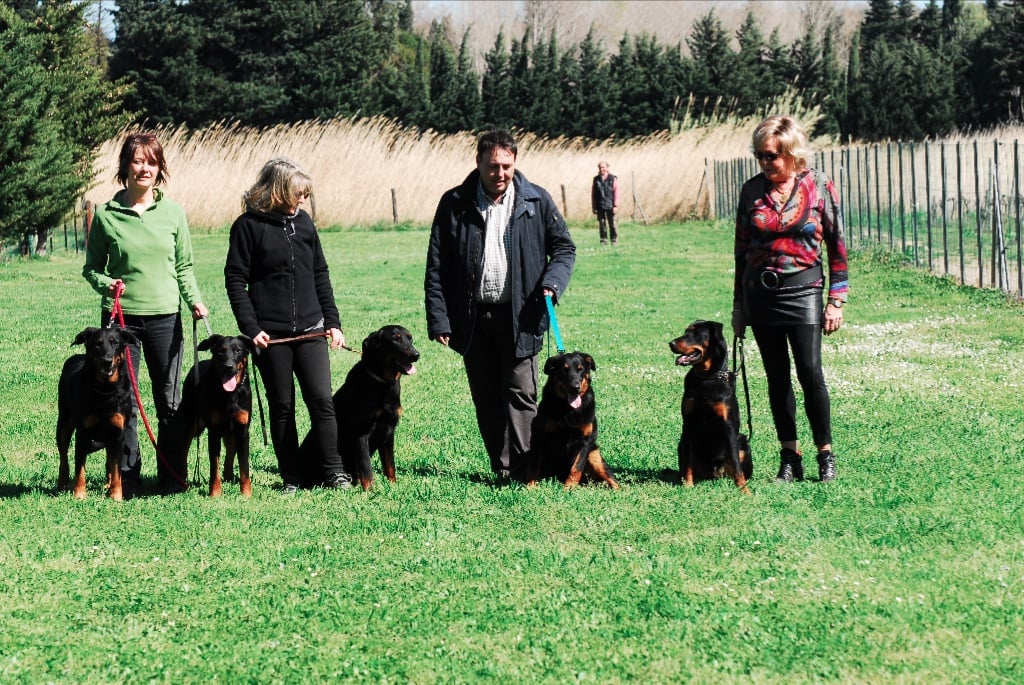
[(279, 287)]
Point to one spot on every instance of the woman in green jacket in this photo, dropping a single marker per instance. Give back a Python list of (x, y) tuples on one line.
[(139, 243)]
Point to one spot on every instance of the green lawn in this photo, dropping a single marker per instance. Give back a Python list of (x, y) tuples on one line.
[(909, 568)]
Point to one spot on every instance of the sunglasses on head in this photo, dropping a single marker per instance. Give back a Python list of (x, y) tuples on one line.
[(767, 156)]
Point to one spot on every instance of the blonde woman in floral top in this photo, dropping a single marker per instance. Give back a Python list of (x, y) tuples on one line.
[(786, 215)]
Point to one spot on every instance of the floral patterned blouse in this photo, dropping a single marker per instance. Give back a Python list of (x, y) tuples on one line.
[(787, 238)]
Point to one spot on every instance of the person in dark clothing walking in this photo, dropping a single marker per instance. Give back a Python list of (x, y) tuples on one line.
[(498, 246), (279, 287), (604, 198)]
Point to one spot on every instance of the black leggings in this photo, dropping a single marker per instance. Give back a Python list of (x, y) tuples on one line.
[(774, 342), (308, 360)]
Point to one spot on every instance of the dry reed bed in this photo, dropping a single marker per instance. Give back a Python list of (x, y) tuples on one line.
[(356, 164)]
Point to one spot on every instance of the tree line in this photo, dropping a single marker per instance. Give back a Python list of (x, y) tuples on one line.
[(909, 73)]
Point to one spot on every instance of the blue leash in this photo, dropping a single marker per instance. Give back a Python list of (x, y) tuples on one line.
[(554, 327)]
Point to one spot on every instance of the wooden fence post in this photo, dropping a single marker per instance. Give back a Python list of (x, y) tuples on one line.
[(565, 205), (394, 205)]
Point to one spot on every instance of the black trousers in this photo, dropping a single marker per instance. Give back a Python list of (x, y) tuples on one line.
[(160, 338), (606, 224), (504, 388), (309, 362), (774, 343)]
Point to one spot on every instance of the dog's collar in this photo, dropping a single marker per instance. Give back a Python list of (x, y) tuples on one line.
[(724, 374), (370, 372)]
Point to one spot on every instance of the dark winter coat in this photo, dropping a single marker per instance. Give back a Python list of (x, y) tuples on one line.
[(276, 275), (542, 255)]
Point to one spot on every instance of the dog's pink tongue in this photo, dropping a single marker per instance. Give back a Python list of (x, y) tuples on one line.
[(230, 384), (575, 404)]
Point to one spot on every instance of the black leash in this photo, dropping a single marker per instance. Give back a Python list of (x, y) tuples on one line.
[(259, 402), (737, 354)]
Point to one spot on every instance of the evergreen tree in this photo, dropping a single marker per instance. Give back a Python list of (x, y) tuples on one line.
[(257, 61), (1000, 65), (496, 86), (833, 102), (713, 63), (754, 80), (520, 92), (599, 92), (56, 108), (468, 103), (546, 102), (571, 110), (444, 85)]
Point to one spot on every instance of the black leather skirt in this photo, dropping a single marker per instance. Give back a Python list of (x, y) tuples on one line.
[(769, 300)]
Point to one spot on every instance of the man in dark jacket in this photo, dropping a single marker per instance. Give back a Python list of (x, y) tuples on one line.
[(498, 246)]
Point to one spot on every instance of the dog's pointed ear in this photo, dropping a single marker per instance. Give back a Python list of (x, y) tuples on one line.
[(205, 345), (128, 338), (84, 335), (552, 363), (249, 344), (372, 341)]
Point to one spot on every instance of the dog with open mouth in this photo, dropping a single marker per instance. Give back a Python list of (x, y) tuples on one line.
[(711, 445), (217, 397), (368, 405), (564, 439)]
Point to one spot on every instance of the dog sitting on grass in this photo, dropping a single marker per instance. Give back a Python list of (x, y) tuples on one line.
[(564, 442), (94, 404), (216, 397)]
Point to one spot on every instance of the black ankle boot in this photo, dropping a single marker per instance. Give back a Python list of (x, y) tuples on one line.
[(826, 466), (791, 466)]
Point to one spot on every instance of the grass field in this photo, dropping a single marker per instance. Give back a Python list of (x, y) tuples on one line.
[(908, 569)]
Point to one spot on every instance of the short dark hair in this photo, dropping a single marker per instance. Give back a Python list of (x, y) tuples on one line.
[(495, 139), (150, 146)]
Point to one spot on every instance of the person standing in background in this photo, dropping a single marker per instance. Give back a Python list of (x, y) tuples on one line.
[(140, 248), (604, 198)]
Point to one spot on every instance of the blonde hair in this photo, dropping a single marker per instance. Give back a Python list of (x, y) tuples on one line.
[(789, 134), (279, 186)]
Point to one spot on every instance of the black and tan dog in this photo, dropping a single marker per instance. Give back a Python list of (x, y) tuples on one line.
[(94, 403), (216, 397), (564, 440), (368, 405), (711, 445)]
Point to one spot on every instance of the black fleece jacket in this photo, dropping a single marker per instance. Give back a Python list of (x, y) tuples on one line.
[(276, 275)]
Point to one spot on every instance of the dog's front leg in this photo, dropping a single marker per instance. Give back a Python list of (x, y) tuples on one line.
[(387, 456), (579, 460), (240, 446), (113, 473), (365, 467), (601, 469), (686, 460), (80, 456), (213, 442), (733, 466)]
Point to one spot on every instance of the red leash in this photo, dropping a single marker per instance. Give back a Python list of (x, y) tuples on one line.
[(116, 312)]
